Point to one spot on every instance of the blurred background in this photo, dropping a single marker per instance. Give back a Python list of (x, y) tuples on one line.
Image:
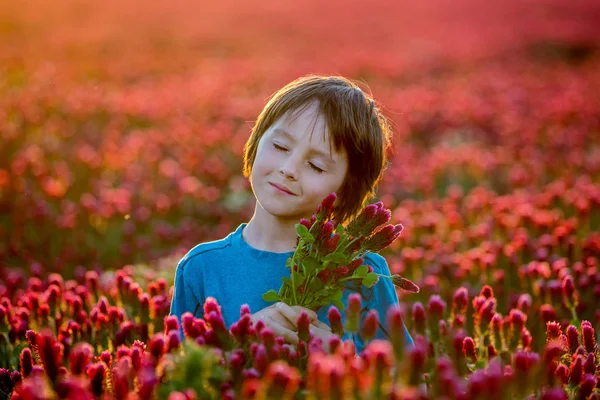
[(122, 123)]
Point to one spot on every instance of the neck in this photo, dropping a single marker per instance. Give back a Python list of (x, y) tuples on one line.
[(267, 232)]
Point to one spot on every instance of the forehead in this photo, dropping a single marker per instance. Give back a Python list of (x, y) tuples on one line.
[(304, 122)]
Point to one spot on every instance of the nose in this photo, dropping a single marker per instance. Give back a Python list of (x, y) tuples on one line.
[(289, 168)]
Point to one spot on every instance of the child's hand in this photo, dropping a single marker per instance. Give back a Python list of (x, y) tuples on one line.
[(282, 320)]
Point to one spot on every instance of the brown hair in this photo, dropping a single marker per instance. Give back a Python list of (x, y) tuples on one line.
[(353, 121)]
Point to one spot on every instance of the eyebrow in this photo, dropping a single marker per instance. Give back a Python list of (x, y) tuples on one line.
[(326, 156)]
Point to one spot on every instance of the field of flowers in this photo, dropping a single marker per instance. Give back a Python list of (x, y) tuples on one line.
[(121, 135)]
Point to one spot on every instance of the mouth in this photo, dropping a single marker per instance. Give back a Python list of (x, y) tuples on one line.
[(282, 189)]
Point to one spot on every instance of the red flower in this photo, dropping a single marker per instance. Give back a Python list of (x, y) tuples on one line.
[(335, 321), (589, 337), (370, 325), (469, 348), (436, 307), (383, 238), (81, 354), (460, 300)]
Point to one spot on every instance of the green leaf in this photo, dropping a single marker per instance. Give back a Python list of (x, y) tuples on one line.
[(315, 285), (301, 230), (370, 279), (304, 234), (270, 296), (336, 257), (337, 299), (361, 271), (287, 281), (297, 278), (340, 229), (310, 264)]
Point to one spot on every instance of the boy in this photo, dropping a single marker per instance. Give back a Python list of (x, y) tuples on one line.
[(315, 136)]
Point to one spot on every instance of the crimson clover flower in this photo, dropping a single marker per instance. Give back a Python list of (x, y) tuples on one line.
[(328, 256)]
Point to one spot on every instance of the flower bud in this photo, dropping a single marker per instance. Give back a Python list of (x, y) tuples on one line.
[(96, 374), (486, 291), (587, 385), (382, 216), (486, 312), (370, 324), (335, 321), (589, 366), (573, 338), (81, 355), (156, 347), (326, 207), (334, 343), (436, 307), (211, 305), (419, 318), (173, 340), (405, 284), (517, 320), (171, 323), (460, 300), (383, 238), (576, 371), (303, 325), (26, 361), (306, 223), (589, 337), (568, 289), (562, 373), (469, 348), (353, 312), (261, 361), (355, 226)]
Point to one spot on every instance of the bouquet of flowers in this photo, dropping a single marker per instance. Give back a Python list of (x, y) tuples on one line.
[(328, 255)]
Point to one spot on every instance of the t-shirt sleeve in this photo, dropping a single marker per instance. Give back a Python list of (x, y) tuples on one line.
[(184, 298)]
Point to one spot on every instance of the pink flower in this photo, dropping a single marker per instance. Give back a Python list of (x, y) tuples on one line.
[(335, 321), (589, 337), (436, 307), (325, 209), (469, 348), (419, 317), (303, 325), (370, 325), (80, 356), (353, 312), (573, 338), (383, 238), (405, 284), (460, 300), (26, 361)]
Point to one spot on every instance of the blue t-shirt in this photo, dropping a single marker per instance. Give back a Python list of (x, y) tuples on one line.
[(234, 273)]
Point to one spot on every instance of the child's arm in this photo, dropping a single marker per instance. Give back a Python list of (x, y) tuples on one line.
[(380, 297), (183, 297)]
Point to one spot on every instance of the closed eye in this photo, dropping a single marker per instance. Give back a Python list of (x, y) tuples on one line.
[(317, 169), (278, 147)]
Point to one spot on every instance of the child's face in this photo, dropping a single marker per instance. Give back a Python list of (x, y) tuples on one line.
[(294, 171)]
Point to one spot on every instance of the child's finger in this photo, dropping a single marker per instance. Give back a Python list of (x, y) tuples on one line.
[(321, 325), (288, 312), (311, 314), (282, 320), (279, 330)]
